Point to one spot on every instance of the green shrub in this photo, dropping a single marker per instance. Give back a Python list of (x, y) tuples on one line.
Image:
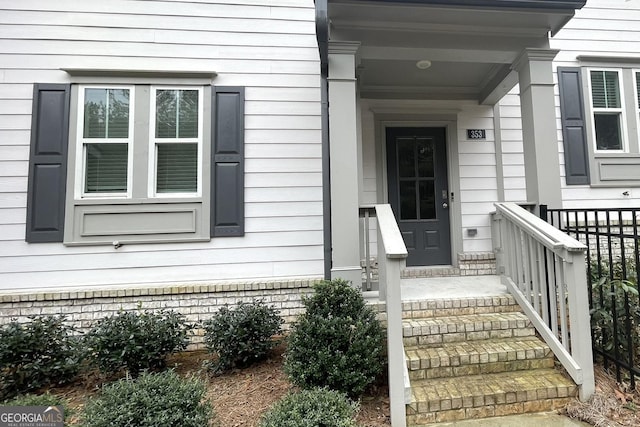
[(242, 335), (312, 408), (45, 399), (337, 343), (136, 341), (615, 312), (152, 400), (620, 334), (41, 352)]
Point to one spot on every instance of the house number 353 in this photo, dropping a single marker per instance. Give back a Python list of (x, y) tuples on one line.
[(476, 134)]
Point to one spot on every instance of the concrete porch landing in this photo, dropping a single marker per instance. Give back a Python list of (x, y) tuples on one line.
[(417, 289)]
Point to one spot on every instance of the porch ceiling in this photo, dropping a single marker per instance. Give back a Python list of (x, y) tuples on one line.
[(471, 47)]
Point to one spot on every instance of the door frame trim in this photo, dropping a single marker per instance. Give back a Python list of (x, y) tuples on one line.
[(450, 123)]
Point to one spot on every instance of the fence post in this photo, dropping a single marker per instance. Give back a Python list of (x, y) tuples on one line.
[(544, 210), (579, 320)]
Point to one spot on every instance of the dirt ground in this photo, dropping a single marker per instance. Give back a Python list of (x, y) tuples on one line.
[(614, 404), (240, 397)]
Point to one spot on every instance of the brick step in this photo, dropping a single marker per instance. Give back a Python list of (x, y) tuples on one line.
[(478, 357), (458, 306), (489, 395), (431, 332)]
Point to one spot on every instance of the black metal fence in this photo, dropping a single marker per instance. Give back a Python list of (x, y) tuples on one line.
[(613, 263)]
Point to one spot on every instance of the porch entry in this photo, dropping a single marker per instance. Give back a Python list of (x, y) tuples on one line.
[(419, 192)]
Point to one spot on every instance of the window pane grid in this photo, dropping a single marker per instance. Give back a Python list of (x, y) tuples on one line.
[(106, 113), (106, 168), (605, 89), (177, 114), (105, 140), (607, 110), (177, 168)]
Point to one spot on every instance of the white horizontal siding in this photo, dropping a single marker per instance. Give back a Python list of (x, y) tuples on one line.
[(478, 178), (515, 189), (160, 275), (602, 27), (267, 46), (607, 28)]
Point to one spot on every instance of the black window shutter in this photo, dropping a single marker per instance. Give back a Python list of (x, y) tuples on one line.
[(48, 163), (574, 132), (227, 174)]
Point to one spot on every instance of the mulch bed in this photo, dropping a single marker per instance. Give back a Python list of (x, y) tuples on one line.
[(613, 405), (239, 397)]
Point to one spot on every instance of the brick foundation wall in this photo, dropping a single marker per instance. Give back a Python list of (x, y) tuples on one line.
[(477, 264), (469, 264), (197, 302)]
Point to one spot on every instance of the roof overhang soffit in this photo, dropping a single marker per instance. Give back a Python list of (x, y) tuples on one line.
[(480, 39)]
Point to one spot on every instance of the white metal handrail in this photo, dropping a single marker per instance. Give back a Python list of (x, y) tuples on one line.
[(392, 254), (545, 271)]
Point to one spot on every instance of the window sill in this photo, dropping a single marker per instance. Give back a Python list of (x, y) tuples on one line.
[(137, 201), (118, 243)]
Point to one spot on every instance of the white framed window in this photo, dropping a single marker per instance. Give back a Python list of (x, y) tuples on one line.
[(105, 135), (176, 139), (607, 108)]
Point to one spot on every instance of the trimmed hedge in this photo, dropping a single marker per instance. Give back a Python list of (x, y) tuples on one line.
[(312, 408), (337, 343)]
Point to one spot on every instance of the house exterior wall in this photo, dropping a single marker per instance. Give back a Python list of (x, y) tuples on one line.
[(267, 47), (603, 28), (476, 174)]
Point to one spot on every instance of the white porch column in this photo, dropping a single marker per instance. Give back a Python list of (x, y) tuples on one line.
[(343, 136), (539, 129)]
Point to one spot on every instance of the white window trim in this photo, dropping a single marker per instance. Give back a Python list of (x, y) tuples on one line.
[(153, 141), (621, 111), (80, 169)]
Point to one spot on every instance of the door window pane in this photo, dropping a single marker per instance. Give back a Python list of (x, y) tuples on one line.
[(176, 113), (106, 168), (427, 200), (638, 88), (406, 160), (408, 200), (177, 168), (425, 158), (608, 131), (106, 113)]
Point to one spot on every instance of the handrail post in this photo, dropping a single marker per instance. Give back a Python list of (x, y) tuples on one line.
[(391, 259), (559, 266), (497, 234), (367, 249), (581, 347)]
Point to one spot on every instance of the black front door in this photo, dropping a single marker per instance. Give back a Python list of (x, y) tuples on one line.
[(419, 193)]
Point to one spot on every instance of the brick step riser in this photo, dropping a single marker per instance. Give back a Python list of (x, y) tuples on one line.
[(479, 369), (459, 307), (497, 410), (497, 398), (437, 339), (448, 312)]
